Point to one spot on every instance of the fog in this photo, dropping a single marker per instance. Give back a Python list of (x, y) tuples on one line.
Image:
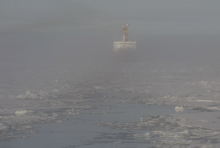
[(57, 66), (55, 31)]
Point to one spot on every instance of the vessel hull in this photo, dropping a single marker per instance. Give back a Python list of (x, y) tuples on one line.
[(125, 51), (124, 46)]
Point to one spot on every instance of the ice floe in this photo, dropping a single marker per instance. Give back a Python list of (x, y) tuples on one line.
[(31, 95), (207, 101), (99, 87), (146, 135), (21, 112), (179, 109)]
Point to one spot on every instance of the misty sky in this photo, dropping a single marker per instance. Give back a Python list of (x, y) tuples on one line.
[(51, 31), (145, 16)]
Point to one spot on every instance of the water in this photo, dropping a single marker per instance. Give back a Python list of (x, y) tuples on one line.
[(110, 105), (83, 131)]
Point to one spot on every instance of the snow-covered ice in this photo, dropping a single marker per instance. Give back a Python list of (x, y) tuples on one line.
[(20, 112), (31, 95), (179, 109)]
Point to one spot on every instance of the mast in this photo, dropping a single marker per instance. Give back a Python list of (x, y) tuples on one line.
[(125, 29)]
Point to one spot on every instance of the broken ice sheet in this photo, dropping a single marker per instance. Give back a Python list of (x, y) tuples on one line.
[(167, 128), (33, 95)]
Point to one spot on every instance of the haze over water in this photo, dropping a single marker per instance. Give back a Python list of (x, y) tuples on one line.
[(59, 78)]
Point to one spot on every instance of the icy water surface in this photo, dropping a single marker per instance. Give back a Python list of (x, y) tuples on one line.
[(136, 104), (85, 130)]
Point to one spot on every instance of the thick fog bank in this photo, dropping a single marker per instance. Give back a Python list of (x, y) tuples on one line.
[(31, 57), (68, 48), (193, 48)]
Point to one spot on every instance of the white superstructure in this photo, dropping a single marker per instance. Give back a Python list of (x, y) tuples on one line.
[(124, 45)]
